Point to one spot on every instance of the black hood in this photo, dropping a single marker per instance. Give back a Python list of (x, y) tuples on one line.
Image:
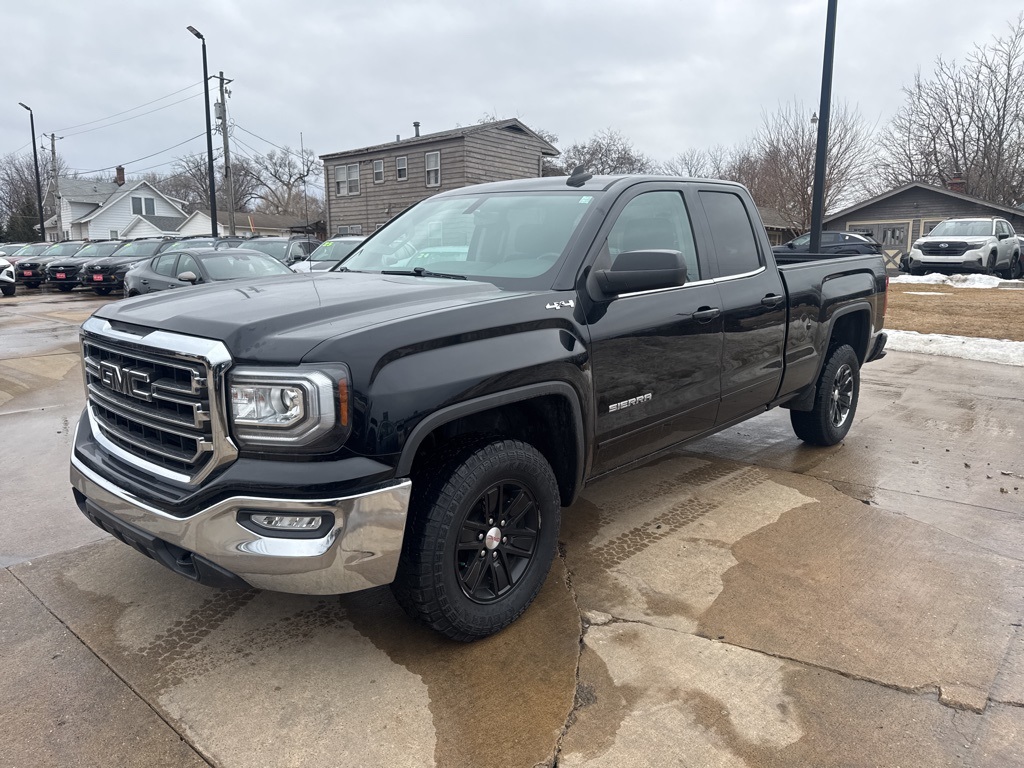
[(280, 319)]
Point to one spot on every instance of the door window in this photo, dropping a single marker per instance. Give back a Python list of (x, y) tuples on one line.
[(656, 221), (732, 232), (164, 265), (829, 238)]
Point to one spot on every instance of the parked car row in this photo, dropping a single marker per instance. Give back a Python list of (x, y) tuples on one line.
[(102, 265)]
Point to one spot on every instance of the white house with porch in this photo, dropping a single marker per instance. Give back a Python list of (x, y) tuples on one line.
[(91, 210)]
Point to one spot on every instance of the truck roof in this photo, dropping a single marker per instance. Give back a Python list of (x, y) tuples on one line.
[(595, 184)]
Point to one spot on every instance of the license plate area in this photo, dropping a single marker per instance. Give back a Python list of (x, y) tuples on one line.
[(97, 278)]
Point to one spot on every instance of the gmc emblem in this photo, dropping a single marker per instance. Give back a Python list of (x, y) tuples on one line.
[(125, 381)]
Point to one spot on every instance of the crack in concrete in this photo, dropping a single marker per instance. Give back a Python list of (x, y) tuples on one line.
[(191, 744), (578, 702)]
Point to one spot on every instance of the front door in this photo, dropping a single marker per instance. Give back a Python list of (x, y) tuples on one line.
[(655, 354)]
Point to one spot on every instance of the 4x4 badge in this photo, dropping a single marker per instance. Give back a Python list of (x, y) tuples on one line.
[(560, 304)]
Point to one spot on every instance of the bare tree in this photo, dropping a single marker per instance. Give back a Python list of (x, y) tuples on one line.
[(607, 152), (19, 208), (277, 179), (964, 120), (190, 183), (777, 165), (698, 163)]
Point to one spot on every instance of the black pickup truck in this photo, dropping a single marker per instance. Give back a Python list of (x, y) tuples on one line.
[(419, 415)]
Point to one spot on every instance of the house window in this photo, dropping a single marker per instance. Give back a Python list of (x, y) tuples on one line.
[(113, 234), (378, 171), (401, 168), (346, 178), (433, 169), (142, 205)]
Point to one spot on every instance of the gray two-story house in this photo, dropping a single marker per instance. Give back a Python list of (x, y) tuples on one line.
[(368, 186)]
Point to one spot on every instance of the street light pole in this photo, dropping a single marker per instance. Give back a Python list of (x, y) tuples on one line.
[(39, 184), (824, 109), (209, 133)]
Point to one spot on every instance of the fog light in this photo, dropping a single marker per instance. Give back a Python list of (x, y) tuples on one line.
[(287, 522)]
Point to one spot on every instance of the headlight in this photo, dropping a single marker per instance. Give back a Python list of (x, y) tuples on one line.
[(290, 407), (917, 245)]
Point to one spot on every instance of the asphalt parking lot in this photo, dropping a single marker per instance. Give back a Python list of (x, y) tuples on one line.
[(748, 601)]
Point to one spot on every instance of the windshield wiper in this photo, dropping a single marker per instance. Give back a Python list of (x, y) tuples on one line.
[(421, 272)]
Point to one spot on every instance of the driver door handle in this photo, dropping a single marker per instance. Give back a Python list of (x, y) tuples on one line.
[(772, 300), (706, 314)]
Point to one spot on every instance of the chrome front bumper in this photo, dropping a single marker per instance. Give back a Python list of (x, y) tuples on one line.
[(360, 551)]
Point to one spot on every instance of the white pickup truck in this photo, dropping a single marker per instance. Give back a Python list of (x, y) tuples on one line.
[(986, 245)]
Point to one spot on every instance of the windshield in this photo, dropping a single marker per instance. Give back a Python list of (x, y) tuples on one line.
[(504, 238), (335, 250), (31, 250), (962, 229), (274, 248), (97, 250), (232, 264), (63, 249), (141, 248)]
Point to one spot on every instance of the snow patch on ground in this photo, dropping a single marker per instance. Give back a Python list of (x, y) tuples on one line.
[(967, 348), (957, 281)]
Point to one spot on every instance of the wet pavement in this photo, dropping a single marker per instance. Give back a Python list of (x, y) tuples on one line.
[(748, 601)]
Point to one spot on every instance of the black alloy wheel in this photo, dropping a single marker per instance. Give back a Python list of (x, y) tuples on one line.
[(835, 400), (482, 532), (497, 542)]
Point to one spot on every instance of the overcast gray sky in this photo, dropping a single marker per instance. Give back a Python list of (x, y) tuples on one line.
[(670, 74)]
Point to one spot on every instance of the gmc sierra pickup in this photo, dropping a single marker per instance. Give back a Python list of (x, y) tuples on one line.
[(419, 415)]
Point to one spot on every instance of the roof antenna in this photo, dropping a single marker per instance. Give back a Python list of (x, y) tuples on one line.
[(578, 177)]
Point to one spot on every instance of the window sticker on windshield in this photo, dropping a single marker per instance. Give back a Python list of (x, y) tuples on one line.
[(586, 199), (328, 243)]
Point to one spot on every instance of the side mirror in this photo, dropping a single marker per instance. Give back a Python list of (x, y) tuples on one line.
[(1002, 236), (635, 271), (791, 246), (189, 277)]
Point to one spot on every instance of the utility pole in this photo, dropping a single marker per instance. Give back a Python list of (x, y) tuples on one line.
[(222, 115), (56, 185), (824, 111)]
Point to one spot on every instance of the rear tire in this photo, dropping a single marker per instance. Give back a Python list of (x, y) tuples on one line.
[(481, 537), (835, 400)]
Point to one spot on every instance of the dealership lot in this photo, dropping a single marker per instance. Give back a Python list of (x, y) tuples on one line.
[(747, 601)]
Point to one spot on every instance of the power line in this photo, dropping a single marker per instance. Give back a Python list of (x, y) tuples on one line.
[(125, 112), (283, 149), (133, 117), (139, 159)]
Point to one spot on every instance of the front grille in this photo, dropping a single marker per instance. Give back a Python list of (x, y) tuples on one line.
[(69, 273), (155, 406), (945, 248)]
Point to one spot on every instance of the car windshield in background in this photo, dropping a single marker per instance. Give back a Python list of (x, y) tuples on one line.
[(334, 250), (232, 264), (499, 238), (31, 250), (198, 242), (962, 229), (63, 249), (275, 248), (97, 250), (141, 248)]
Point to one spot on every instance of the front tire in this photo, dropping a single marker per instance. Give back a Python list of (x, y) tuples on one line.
[(835, 401), (8, 290), (32, 284), (103, 291), (482, 535), (65, 288)]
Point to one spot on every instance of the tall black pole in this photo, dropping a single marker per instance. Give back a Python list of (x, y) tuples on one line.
[(818, 197), (209, 135), (39, 183)]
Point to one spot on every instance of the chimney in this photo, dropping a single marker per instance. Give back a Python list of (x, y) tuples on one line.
[(957, 183), (416, 127), (119, 177), (398, 137)]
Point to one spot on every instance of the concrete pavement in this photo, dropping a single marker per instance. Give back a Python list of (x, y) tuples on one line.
[(746, 602)]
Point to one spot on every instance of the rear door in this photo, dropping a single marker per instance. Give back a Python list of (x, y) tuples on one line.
[(655, 354), (753, 303)]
